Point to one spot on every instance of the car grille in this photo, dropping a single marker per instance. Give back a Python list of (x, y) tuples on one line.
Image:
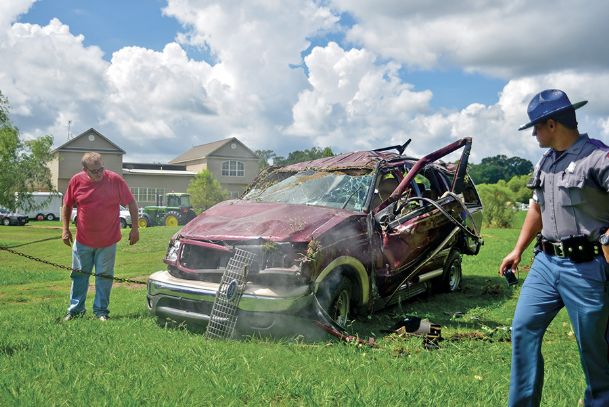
[(274, 263)]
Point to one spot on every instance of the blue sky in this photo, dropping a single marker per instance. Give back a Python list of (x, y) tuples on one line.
[(159, 76)]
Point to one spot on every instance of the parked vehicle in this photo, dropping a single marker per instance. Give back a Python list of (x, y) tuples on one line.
[(41, 205), (124, 216), (178, 211), (8, 218), (353, 233)]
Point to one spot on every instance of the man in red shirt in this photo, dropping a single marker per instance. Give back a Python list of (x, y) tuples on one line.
[(97, 193)]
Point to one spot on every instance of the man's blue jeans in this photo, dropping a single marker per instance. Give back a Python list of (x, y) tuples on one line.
[(85, 258), (582, 288)]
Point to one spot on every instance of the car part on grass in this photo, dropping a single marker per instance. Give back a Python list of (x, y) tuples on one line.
[(413, 325), (225, 310), (329, 324)]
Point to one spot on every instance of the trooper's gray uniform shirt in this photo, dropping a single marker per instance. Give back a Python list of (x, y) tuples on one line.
[(572, 190)]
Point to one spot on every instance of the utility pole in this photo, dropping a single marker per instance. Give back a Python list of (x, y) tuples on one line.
[(69, 131)]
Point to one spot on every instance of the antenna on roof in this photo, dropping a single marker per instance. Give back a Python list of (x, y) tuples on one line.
[(397, 147), (69, 130)]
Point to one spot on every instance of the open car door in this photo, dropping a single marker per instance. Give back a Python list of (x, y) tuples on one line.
[(422, 219)]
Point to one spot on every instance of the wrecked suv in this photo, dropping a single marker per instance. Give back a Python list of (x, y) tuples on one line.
[(349, 234)]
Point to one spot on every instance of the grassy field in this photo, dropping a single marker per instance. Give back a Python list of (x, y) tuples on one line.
[(131, 360)]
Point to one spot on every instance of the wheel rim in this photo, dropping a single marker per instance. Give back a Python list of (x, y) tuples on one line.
[(143, 223), (50, 216), (341, 307), (6, 221), (171, 221), (454, 277)]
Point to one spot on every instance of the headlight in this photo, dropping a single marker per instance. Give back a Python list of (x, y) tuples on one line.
[(173, 251)]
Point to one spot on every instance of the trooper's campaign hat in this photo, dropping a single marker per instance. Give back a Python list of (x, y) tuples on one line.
[(548, 103)]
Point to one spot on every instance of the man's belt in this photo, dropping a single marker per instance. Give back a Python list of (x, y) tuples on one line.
[(576, 248)]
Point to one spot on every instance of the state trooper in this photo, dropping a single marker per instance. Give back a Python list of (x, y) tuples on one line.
[(569, 215)]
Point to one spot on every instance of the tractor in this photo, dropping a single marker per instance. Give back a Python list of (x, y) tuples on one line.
[(178, 211)]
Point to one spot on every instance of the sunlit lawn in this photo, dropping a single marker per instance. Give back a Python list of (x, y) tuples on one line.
[(130, 360)]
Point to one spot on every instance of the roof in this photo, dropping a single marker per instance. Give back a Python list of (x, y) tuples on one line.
[(66, 145), (205, 150), (358, 159), (158, 172)]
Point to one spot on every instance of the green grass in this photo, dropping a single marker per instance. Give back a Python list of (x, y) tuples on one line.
[(131, 360)]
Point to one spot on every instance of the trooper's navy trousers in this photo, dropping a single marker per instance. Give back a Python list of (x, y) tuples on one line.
[(582, 288)]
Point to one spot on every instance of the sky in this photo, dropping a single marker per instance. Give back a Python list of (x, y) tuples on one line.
[(158, 77)]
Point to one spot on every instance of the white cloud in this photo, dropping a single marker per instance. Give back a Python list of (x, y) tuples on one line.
[(156, 104), (506, 38), (48, 75)]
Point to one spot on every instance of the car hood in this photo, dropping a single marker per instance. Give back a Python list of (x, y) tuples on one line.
[(246, 220)]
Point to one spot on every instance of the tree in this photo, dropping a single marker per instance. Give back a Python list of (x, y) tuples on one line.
[(518, 186), (264, 156), (500, 167), (205, 190), (23, 164), (299, 156), (498, 204)]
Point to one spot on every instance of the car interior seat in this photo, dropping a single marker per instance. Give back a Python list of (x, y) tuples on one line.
[(385, 188)]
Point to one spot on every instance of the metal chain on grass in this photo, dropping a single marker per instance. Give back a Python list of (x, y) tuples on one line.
[(61, 266)]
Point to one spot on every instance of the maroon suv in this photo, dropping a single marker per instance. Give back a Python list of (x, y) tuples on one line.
[(354, 232)]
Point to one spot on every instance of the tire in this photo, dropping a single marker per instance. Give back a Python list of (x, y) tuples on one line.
[(40, 216), (450, 280), (6, 221), (336, 297), (50, 216), (172, 218), (144, 221), (123, 223), (187, 217)]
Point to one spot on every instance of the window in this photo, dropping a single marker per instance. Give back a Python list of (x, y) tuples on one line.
[(233, 168), (148, 196)]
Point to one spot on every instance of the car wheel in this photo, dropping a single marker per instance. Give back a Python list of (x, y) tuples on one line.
[(50, 216), (123, 223), (6, 221), (336, 298), (144, 221), (450, 281), (187, 217), (172, 218), (40, 216)]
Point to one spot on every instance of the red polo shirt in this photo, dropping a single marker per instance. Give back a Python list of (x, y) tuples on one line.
[(98, 223)]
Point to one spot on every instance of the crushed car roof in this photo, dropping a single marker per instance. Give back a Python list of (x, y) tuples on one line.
[(358, 159)]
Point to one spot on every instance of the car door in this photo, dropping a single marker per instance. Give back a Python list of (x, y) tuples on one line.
[(416, 233)]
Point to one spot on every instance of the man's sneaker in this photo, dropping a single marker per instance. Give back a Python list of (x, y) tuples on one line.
[(103, 318), (70, 316)]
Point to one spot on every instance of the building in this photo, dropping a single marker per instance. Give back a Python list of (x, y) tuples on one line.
[(232, 163)]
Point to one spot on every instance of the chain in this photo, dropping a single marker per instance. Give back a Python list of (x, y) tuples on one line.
[(61, 266)]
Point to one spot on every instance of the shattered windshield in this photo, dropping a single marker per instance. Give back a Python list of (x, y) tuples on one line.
[(333, 189)]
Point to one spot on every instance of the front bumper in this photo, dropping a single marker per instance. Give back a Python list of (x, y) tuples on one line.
[(260, 308)]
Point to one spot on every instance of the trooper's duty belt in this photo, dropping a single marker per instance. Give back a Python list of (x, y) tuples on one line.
[(576, 248)]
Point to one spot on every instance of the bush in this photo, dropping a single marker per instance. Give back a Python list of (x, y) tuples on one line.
[(498, 204)]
